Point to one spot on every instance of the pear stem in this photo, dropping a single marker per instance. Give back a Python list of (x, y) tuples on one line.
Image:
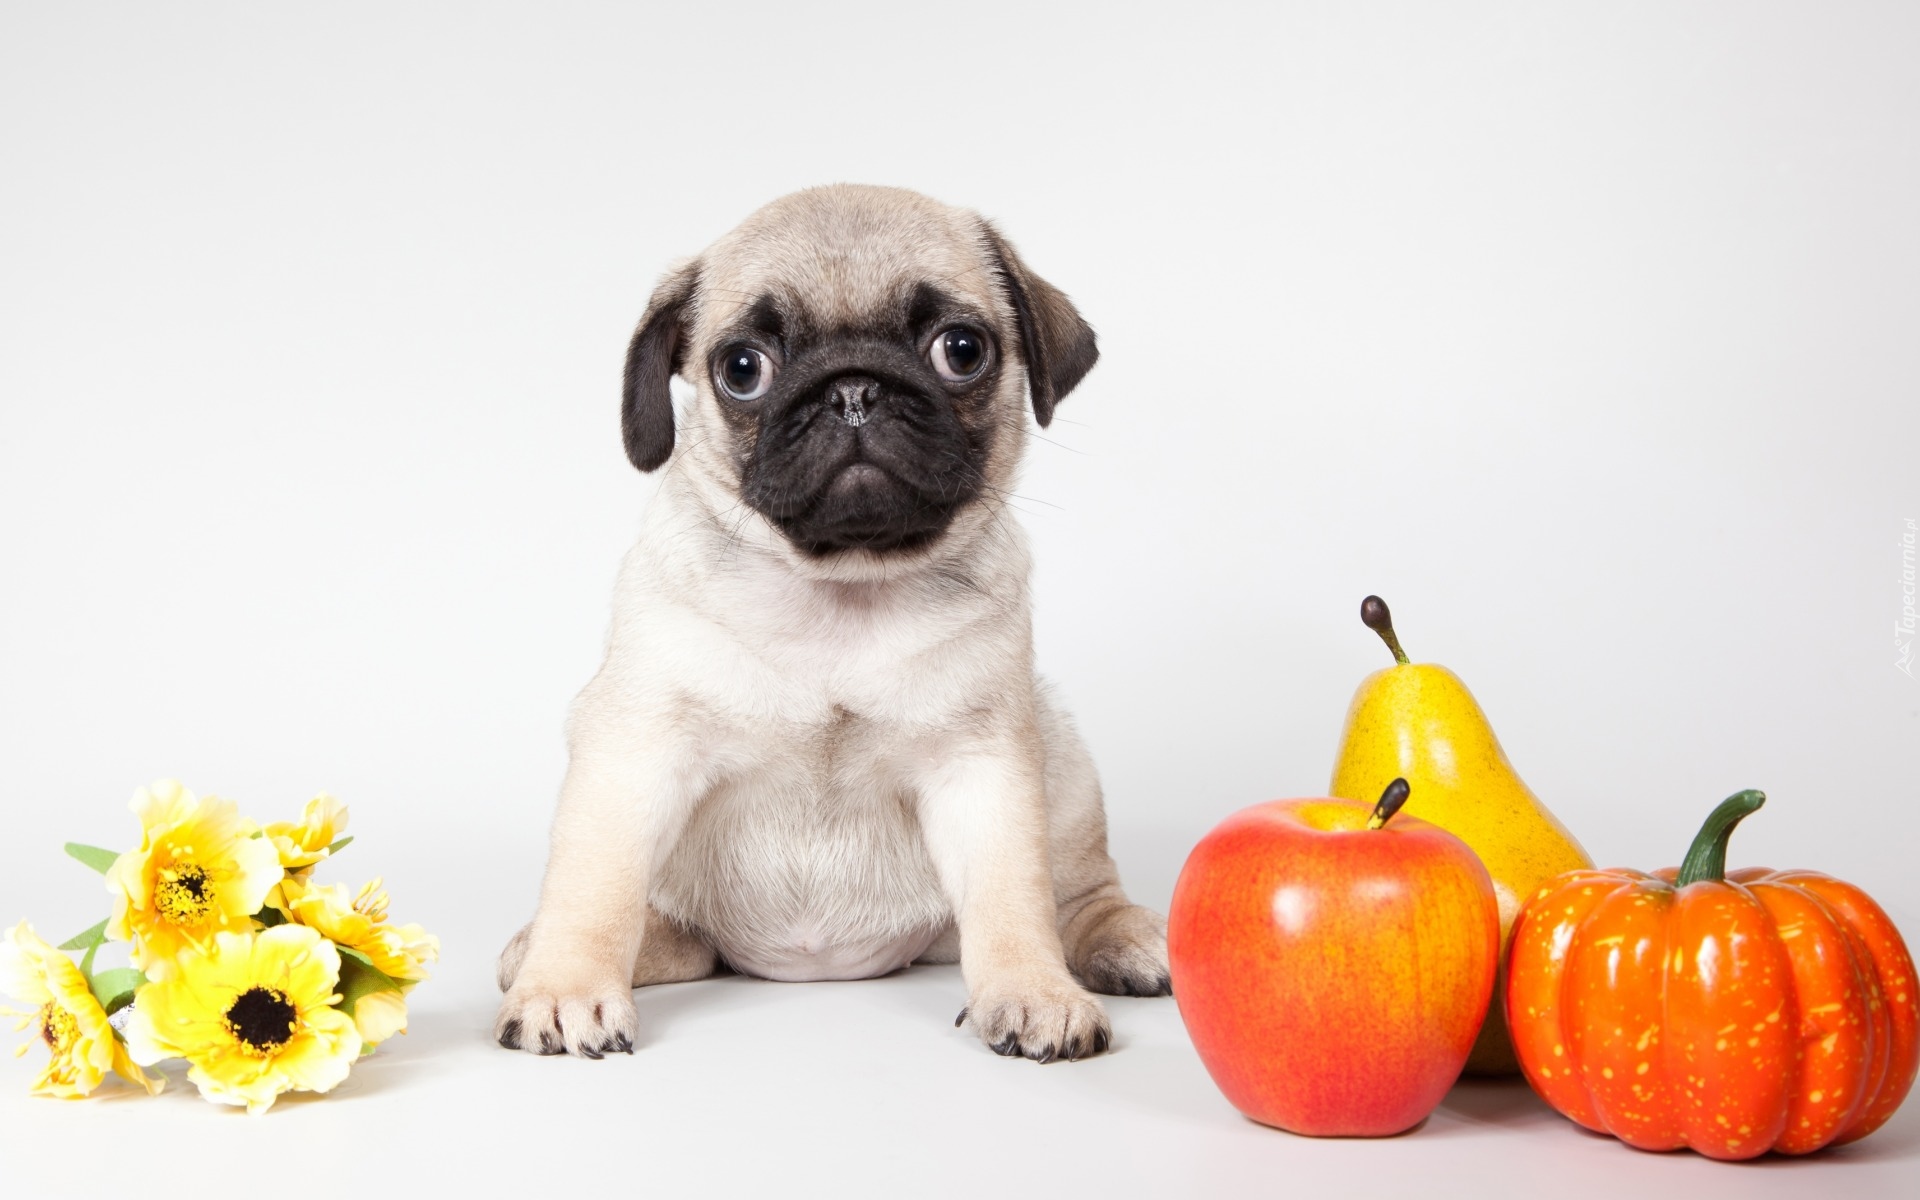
[(1390, 802), (1374, 614), (1706, 860)]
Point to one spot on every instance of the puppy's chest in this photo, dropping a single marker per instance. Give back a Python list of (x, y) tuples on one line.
[(804, 666), (818, 801), (811, 866)]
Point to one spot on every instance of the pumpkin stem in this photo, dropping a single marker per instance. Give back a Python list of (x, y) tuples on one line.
[(1390, 802), (1706, 859), (1374, 615)]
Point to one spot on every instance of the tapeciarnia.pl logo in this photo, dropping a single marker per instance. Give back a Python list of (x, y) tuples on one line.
[(1903, 628)]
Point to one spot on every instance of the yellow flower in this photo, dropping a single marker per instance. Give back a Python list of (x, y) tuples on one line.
[(199, 870), (380, 1015), (253, 1014), (399, 952), (303, 843), (65, 1015)]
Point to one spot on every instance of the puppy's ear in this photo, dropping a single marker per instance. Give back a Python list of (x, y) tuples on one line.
[(1058, 343), (646, 412)]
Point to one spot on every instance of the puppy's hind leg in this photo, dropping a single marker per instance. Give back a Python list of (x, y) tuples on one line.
[(508, 967), (670, 953), (1116, 947), (1113, 946)]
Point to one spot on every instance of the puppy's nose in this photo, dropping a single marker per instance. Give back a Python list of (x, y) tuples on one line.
[(851, 395)]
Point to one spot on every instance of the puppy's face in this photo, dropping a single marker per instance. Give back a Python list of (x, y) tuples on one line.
[(861, 360), (868, 431)]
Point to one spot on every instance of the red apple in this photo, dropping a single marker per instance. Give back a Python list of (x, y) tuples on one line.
[(1332, 963)]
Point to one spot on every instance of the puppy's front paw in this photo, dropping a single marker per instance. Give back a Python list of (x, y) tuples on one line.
[(591, 1021), (1039, 1020)]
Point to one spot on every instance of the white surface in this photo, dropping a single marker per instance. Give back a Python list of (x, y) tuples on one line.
[(749, 1088), (1585, 336)]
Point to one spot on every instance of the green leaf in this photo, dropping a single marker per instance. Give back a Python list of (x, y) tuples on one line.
[(340, 845), (359, 956), (357, 980), (88, 940), (100, 860), (269, 917), (114, 989)]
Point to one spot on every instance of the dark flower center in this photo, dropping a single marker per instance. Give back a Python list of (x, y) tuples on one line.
[(57, 1027), (262, 1019), (184, 894)]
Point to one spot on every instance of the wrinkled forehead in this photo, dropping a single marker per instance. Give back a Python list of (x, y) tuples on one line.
[(847, 259)]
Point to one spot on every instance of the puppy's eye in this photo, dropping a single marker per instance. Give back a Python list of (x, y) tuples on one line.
[(958, 354), (743, 372)]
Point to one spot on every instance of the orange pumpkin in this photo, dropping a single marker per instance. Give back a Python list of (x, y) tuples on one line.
[(1730, 1013)]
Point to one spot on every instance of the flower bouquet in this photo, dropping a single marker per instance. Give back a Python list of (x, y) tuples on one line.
[(262, 980)]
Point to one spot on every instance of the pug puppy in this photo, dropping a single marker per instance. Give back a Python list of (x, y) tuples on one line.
[(817, 748)]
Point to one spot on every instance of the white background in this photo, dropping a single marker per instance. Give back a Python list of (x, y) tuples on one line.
[(1585, 335)]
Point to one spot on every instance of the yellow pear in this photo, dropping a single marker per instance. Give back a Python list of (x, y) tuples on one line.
[(1418, 722)]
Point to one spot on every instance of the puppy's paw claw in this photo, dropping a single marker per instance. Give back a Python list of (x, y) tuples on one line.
[(588, 1022), (1055, 1020)]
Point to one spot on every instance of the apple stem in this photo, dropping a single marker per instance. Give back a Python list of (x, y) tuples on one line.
[(1390, 802), (1374, 614), (1706, 860)]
